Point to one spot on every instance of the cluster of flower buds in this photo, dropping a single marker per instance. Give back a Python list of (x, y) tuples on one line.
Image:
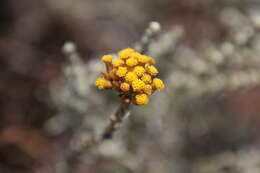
[(132, 74)]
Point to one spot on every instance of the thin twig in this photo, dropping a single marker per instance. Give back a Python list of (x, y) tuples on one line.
[(152, 30), (115, 122)]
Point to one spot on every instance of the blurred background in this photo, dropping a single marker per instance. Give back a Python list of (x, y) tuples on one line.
[(205, 121)]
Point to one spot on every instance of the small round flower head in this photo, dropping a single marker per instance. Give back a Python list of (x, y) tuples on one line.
[(138, 85), (130, 76), (107, 58), (118, 62), (146, 78), (102, 83), (151, 60), (125, 53), (121, 71), (148, 89), (141, 99), (131, 62), (135, 55), (152, 70), (143, 59), (125, 87), (139, 70), (158, 83)]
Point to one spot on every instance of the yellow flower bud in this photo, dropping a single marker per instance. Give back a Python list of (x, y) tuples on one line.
[(148, 89), (152, 70), (141, 99), (107, 58), (130, 76), (143, 59), (135, 55), (139, 71), (118, 62), (125, 87), (102, 83), (146, 78), (152, 61), (121, 71), (138, 85), (158, 83), (131, 62), (125, 53)]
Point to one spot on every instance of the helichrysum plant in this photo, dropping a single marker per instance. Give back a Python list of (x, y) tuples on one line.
[(132, 74)]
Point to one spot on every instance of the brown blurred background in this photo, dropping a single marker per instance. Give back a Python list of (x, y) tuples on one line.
[(31, 36)]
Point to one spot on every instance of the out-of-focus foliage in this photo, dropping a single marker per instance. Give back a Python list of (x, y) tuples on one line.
[(206, 119)]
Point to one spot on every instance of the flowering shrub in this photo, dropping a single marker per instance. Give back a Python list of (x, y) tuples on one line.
[(132, 74)]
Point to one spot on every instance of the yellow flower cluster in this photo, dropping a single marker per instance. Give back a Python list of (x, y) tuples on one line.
[(132, 74)]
